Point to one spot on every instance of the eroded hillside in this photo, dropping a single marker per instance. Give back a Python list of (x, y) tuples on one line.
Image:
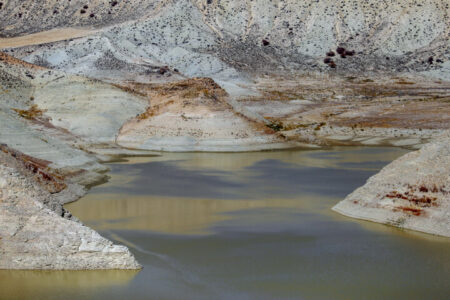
[(229, 39), (81, 81)]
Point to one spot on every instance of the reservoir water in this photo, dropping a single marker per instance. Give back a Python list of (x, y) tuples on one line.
[(245, 226)]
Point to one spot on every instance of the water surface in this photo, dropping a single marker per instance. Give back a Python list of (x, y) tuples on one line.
[(245, 226)]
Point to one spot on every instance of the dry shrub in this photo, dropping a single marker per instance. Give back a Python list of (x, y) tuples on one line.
[(32, 113)]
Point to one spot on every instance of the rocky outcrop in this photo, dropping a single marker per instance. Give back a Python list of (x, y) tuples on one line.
[(413, 192), (36, 232), (88, 109), (44, 166), (366, 61), (194, 115), (64, 113)]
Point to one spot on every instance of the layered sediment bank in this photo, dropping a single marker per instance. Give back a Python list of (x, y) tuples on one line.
[(37, 232), (413, 192)]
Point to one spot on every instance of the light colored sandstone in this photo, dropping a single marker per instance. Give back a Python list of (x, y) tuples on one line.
[(413, 192), (34, 236)]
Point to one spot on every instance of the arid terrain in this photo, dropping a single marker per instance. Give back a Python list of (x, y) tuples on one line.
[(83, 81)]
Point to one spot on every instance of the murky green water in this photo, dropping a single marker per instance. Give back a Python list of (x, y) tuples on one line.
[(245, 226)]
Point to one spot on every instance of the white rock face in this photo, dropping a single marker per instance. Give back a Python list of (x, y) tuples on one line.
[(206, 131), (413, 192), (32, 236), (70, 110), (195, 115), (92, 110), (35, 231)]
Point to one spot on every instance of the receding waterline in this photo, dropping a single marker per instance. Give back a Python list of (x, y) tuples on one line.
[(246, 226)]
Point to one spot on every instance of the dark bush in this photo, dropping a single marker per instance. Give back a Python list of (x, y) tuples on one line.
[(350, 53), (163, 70), (340, 50)]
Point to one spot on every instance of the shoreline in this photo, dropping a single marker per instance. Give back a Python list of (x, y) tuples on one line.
[(32, 199), (412, 192), (28, 167)]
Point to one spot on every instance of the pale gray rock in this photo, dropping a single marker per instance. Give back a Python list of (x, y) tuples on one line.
[(413, 192), (35, 235)]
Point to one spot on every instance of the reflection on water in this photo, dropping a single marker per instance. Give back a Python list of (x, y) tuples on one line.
[(246, 226), (170, 214), (58, 284), (186, 193)]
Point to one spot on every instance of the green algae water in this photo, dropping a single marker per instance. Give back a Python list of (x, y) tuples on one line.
[(245, 226)]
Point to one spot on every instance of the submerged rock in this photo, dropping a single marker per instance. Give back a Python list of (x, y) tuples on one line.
[(413, 192)]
